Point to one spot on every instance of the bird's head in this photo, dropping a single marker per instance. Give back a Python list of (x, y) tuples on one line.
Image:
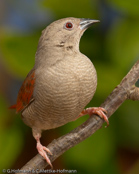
[(65, 32)]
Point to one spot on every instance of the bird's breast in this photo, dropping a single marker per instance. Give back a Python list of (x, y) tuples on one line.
[(63, 90)]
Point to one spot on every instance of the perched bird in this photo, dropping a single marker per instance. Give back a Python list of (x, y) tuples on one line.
[(61, 83)]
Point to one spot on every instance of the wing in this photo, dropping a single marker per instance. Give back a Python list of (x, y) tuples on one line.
[(25, 94)]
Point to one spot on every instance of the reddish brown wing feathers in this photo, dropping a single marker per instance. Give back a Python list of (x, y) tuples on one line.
[(12, 107), (25, 94)]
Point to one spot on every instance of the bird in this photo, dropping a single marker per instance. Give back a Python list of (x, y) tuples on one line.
[(61, 83)]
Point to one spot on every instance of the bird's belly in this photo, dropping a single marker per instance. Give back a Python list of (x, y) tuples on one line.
[(61, 95)]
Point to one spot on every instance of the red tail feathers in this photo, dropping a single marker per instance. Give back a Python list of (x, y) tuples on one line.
[(12, 107)]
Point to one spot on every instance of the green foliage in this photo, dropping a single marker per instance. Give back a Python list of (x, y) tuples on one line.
[(123, 43), (18, 52), (113, 52), (78, 8), (99, 151), (128, 129), (129, 7), (11, 140)]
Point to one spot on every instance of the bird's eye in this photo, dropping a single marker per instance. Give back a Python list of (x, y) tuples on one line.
[(68, 25)]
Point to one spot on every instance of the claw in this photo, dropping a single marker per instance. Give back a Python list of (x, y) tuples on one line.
[(47, 150), (99, 111), (96, 110), (42, 151)]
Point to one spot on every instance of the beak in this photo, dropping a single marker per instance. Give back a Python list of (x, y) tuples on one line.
[(86, 23)]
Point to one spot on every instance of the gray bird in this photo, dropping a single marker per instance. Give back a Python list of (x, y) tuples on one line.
[(61, 83)]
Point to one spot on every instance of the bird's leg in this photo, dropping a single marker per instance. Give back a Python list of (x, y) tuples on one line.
[(95, 110), (42, 149)]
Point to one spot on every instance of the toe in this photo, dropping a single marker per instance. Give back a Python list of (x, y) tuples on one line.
[(104, 110), (101, 112), (102, 115), (47, 160), (42, 151), (47, 150)]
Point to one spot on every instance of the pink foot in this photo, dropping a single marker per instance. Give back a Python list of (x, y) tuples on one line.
[(95, 110), (42, 151)]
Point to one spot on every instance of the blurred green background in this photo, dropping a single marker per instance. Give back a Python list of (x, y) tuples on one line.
[(113, 47)]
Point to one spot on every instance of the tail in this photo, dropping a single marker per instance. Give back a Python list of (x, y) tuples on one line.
[(12, 107)]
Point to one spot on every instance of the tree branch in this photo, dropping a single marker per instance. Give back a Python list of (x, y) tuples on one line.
[(134, 93), (125, 90)]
